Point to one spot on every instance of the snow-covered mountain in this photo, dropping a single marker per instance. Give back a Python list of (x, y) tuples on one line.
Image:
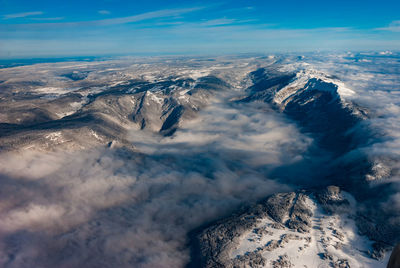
[(296, 229), (267, 161)]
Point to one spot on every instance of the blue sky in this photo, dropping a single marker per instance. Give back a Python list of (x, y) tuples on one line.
[(105, 27)]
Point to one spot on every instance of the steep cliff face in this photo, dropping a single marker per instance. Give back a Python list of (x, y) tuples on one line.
[(314, 101), (394, 260)]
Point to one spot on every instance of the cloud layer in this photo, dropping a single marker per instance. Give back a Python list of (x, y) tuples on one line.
[(108, 207)]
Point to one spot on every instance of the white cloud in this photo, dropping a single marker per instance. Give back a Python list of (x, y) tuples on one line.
[(103, 12), (22, 15), (48, 19)]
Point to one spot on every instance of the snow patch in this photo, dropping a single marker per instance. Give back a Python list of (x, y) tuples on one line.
[(95, 135), (55, 136), (153, 97), (333, 239), (55, 90), (303, 77)]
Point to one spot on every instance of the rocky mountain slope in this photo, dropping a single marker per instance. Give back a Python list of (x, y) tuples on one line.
[(295, 229), (98, 111)]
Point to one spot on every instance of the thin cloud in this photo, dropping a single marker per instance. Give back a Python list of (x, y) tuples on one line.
[(224, 21), (145, 16), (22, 15), (394, 26), (217, 22), (240, 9), (47, 19), (164, 13), (103, 12)]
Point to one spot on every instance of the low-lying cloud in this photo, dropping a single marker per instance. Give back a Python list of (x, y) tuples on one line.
[(375, 78), (112, 207)]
